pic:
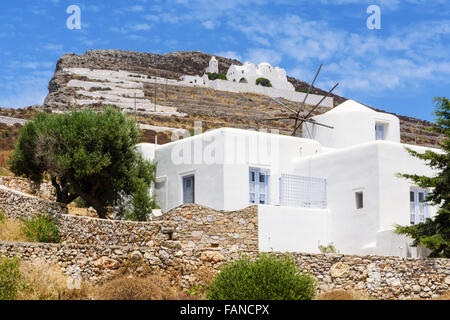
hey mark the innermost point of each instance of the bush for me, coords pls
(330, 248)
(264, 82)
(2, 217)
(41, 229)
(10, 278)
(215, 76)
(133, 288)
(266, 278)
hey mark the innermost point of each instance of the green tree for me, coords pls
(215, 76)
(86, 154)
(263, 82)
(434, 234)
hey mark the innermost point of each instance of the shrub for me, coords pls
(41, 228)
(330, 248)
(2, 217)
(263, 82)
(266, 278)
(10, 278)
(134, 288)
(215, 76)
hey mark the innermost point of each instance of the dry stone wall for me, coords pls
(202, 228)
(377, 277)
(194, 225)
(16, 204)
(44, 191)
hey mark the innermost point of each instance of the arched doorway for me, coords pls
(243, 80)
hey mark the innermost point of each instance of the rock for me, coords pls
(212, 256)
(136, 256)
(416, 289)
(339, 270)
(447, 280)
(106, 263)
(164, 255)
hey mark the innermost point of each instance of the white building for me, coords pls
(335, 186)
(248, 73)
(213, 66)
(242, 79)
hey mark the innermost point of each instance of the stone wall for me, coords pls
(95, 264)
(45, 190)
(202, 228)
(193, 225)
(16, 204)
(196, 226)
(378, 277)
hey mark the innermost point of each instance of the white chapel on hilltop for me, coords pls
(243, 79)
(248, 73)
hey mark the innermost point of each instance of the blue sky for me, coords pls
(399, 68)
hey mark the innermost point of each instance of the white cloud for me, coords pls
(136, 8)
(229, 55)
(141, 27)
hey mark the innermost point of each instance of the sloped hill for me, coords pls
(132, 80)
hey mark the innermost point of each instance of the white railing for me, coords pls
(303, 191)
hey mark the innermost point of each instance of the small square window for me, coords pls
(359, 198)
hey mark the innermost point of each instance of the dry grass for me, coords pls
(11, 230)
(445, 296)
(43, 281)
(4, 158)
(343, 295)
(135, 288)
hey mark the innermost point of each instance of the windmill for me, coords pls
(296, 113)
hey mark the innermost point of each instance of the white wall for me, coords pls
(223, 184)
(292, 229)
(350, 127)
(371, 168)
(394, 191)
(347, 171)
(231, 86)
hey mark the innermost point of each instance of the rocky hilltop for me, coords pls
(132, 81)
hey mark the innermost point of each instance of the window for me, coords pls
(258, 186)
(380, 131)
(418, 205)
(188, 189)
(359, 199)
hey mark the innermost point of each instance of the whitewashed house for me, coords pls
(335, 186)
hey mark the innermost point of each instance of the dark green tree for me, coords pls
(434, 234)
(86, 154)
(215, 76)
(263, 82)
